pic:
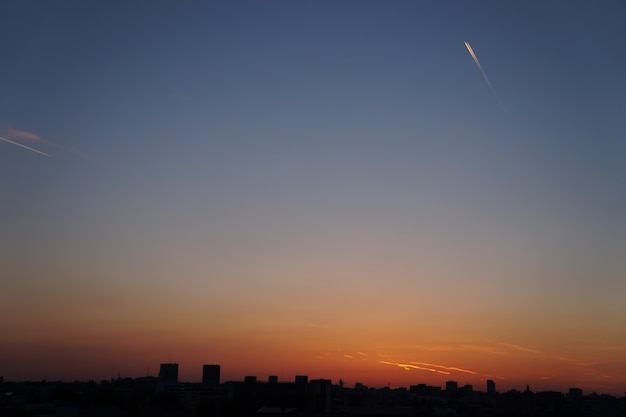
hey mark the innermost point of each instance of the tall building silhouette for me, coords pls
(451, 386)
(491, 387)
(211, 374)
(168, 373)
(573, 393)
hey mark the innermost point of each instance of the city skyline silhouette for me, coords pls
(213, 375)
(166, 395)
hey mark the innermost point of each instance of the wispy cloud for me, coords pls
(578, 361)
(449, 368)
(23, 134)
(430, 367)
(484, 348)
(434, 348)
(520, 348)
(501, 348)
(18, 136)
(410, 366)
(482, 71)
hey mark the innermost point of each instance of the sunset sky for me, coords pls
(329, 188)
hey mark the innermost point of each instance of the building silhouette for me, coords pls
(168, 373)
(576, 393)
(451, 386)
(491, 387)
(211, 374)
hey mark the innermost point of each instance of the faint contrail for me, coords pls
(24, 146)
(482, 71)
(408, 367)
(520, 348)
(24, 135)
(451, 368)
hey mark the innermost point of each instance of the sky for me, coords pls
(389, 193)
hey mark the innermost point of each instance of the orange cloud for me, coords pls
(520, 348)
(408, 367)
(450, 368)
(486, 349)
(497, 348)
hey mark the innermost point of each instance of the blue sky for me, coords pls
(214, 146)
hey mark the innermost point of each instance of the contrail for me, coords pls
(482, 71)
(24, 135)
(451, 368)
(408, 367)
(24, 146)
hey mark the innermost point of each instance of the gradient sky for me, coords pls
(328, 188)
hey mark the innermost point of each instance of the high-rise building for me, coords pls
(302, 379)
(211, 374)
(168, 373)
(273, 379)
(451, 386)
(574, 393)
(491, 387)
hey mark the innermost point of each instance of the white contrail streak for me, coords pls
(482, 71)
(24, 146)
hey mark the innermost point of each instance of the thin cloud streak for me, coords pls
(520, 348)
(408, 367)
(486, 349)
(449, 368)
(589, 363)
(24, 146)
(431, 367)
(482, 71)
(502, 348)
